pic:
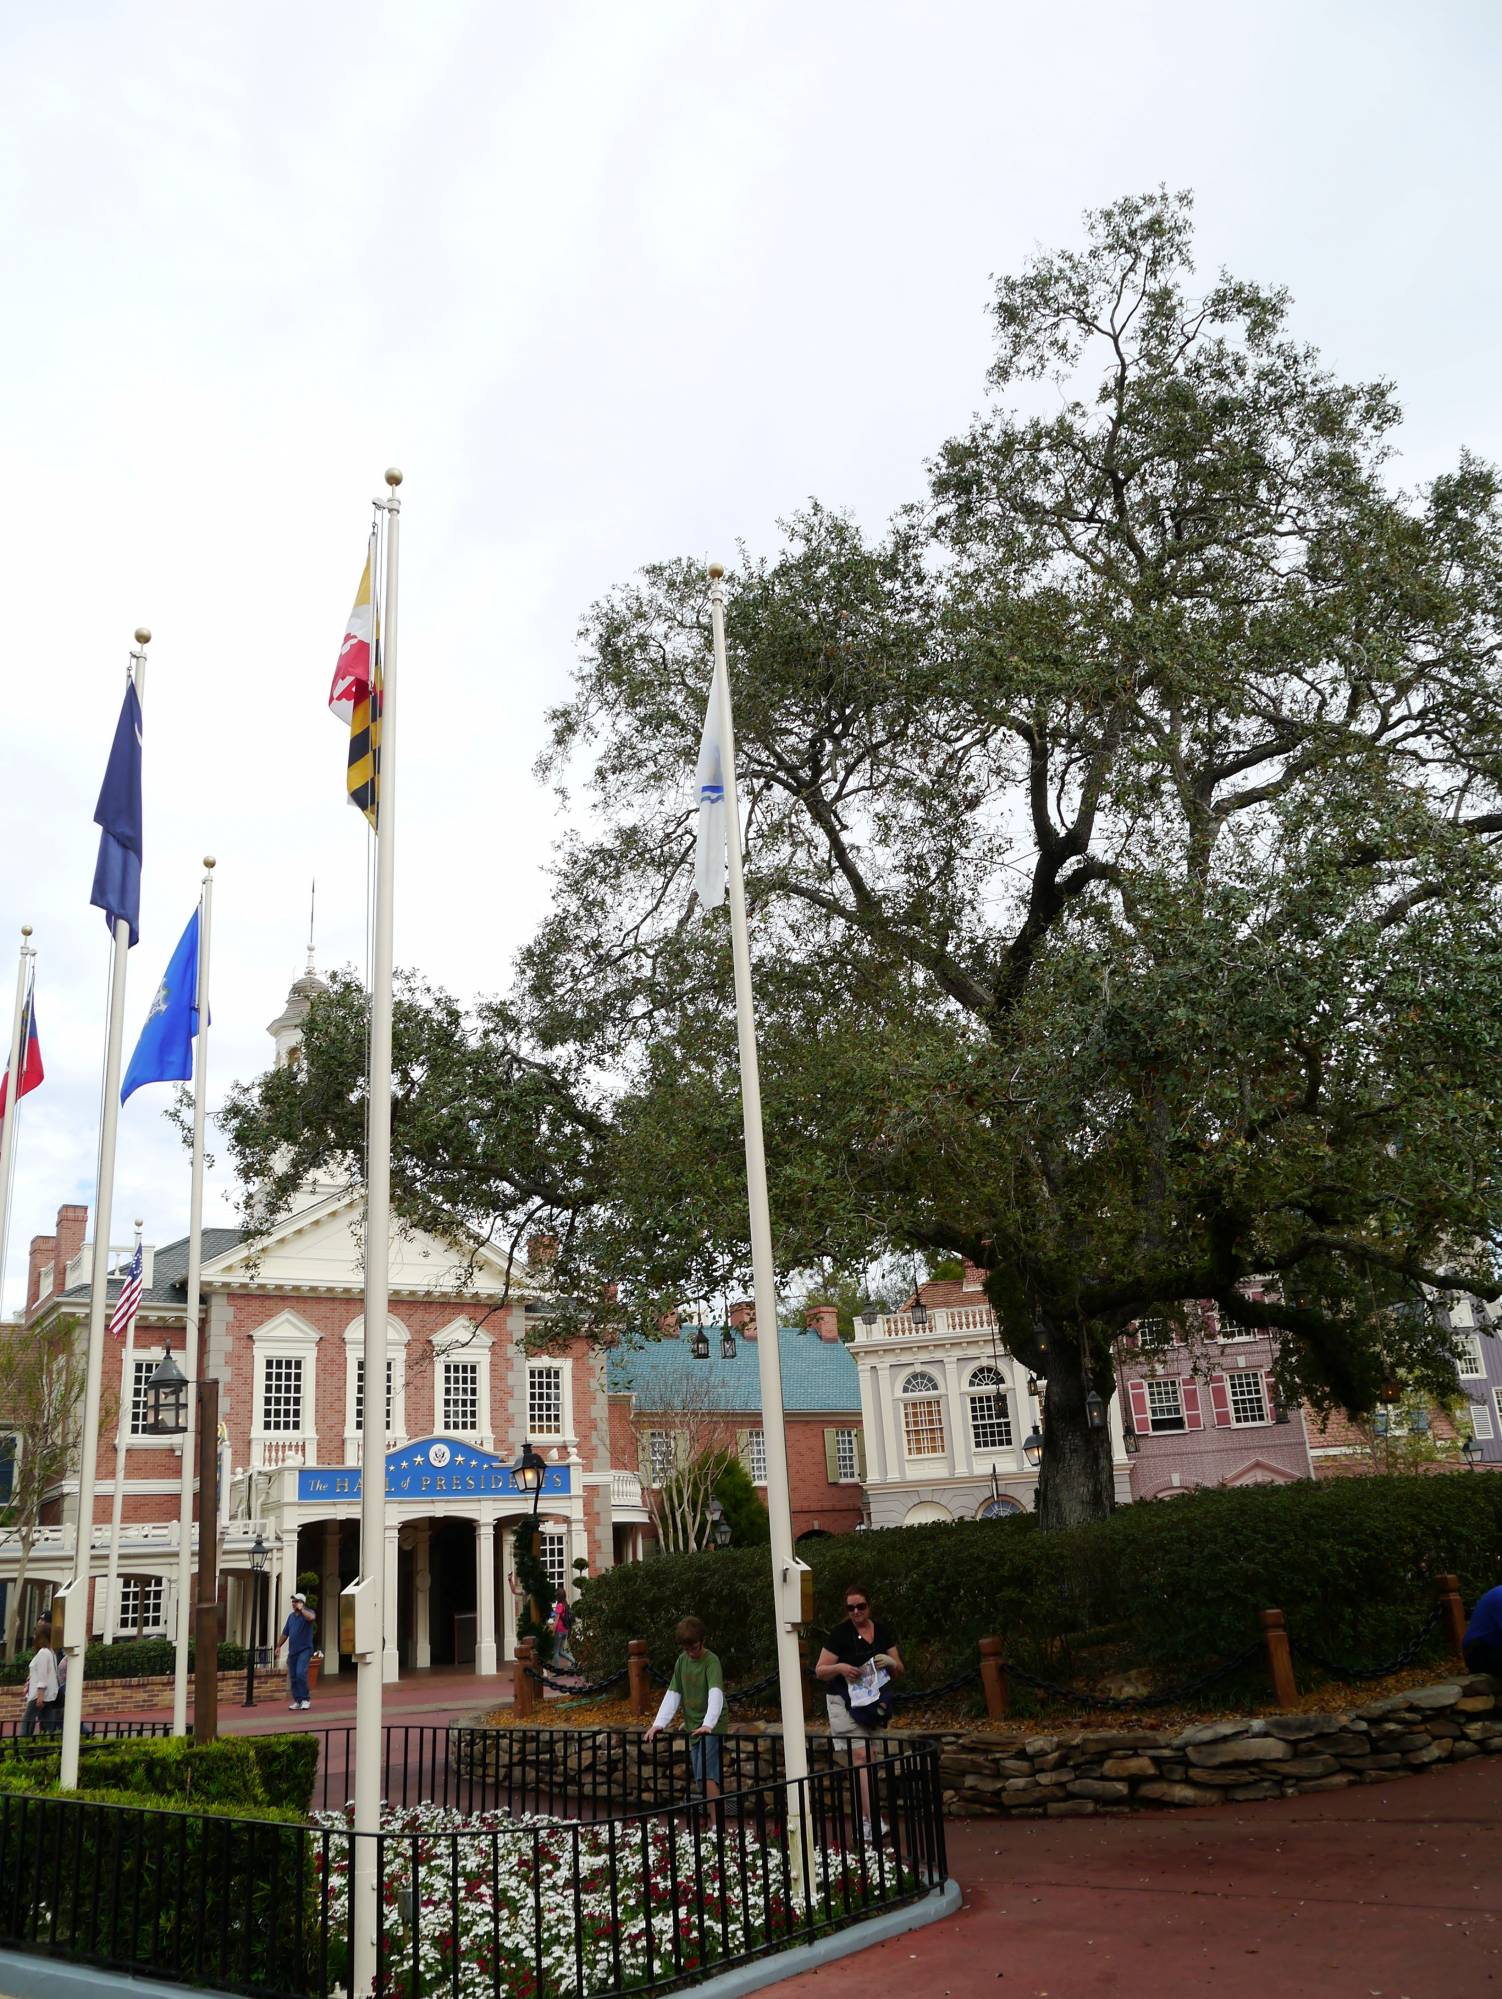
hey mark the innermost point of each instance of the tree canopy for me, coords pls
(1121, 832)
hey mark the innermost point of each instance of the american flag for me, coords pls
(130, 1297)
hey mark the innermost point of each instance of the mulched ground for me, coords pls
(1331, 1697)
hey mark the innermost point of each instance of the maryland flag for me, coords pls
(355, 697)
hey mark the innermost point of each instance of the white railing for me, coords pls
(267, 1453)
(944, 1321)
(625, 1489)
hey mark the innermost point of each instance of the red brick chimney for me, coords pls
(975, 1277)
(743, 1317)
(669, 1325)
(43, 1252)
(72, 1227)
(823, 1320)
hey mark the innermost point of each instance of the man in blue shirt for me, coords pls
(297, 1636)
(1483, 1635)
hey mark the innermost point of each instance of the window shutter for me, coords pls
(1189, 1391)
(1141, 1420)
(1270, 1397)
(831, 1458)
(1220, 1401)
(743, 1447)
(860, 1453)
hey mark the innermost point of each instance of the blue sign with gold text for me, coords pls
(431, 1468)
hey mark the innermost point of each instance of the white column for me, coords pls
(422, 1602)
(328, 1605)
(961, 1457)
(390, 1658)
(876, 1443)
(486, 1658)
(887, 1380)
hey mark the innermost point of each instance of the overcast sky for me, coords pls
(610, 282)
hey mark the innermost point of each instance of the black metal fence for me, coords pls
(502, 1867)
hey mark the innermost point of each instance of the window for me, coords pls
(756, 1456)
(1496, 1397)
(1248, 1398)
(552, 1553)
(846, 1458)
(1468, 1353)
(1481, 1422)
(360, 1393)
(999, 1508)
(1231, 1329)
(1165, 1406)
(7, 1466)
(990, 1418)
(922, 1415)
(281, 1393)
(461, 1395)
(545, 1402)
(660, 1456)
(140, 1401)
(142, 1603)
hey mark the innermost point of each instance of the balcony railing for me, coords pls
(625, 1490)
(945, 1321)
(268, 1453)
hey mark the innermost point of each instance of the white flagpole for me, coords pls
(183, 1610)
(12, 1104)
(787, 1570)
(370, 1634)
(76, 1592)
(117, 1496)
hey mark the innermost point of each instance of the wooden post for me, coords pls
(1279, 1658)
(812, 1691)
(636, 1676)
(993, 1678)
(206, 1618)
(1453, 1606)
(523, 1686)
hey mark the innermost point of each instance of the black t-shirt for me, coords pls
(847, 1645)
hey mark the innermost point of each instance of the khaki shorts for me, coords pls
(841, 1721)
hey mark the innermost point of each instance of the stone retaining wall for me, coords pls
(1066, 1775)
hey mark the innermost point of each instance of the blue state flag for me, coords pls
(164, 1053)
(117, 872)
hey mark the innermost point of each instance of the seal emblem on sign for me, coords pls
(438, 1455)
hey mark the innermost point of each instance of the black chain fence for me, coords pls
(577, 1688)
(1168, 1697)
(1342, 1670)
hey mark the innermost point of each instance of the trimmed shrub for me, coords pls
(1173, 1587)
(131, 1659)
(275, 1771)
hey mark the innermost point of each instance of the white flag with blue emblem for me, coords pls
(709, 856)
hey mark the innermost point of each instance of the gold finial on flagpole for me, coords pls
(393, 476)
(716, 571)
(143, 635)
(208, 860)
(25, 929)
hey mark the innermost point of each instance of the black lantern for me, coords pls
(1032, 1449)
(919, 1313)
(1280, 1410)
(719, 1524)
(167, 1398)
(1095, 1411)
(869, 1314)
(529, 1471)
(728, 1347)
(260, 1555)
(1470, 1450)
(1032, 1386)
(698, 1346)
(1129, 1437)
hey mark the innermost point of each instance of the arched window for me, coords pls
(923, 1415)
(1000, 1507)
(990, 1417)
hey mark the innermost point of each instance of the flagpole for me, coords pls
(117, 1496)
(183, 1614)
(12, 1104)
(76, 1592)
(371, 1608)
(787, 1570)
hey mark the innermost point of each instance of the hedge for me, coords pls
(130, 1659)
(259, 1771)
(1171, 1587)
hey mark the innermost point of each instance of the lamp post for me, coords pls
(529, 1471)
(719, 1525)
(1470, 1450)
(167, 1401)
(260, 1555)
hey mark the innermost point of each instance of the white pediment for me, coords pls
(321, 1248)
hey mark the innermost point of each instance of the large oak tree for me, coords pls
(1122, 833)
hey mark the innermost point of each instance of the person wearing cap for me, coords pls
(297, 1636)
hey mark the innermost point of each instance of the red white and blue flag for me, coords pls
(130, 1297)
(31, 1056)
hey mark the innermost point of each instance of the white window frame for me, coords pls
(661, 1457)
(1469, 1345)
(923, 1414)
(1481, 1415)
(397, 1342)
(846, 1456)
(463, 1340)
(285, 1337)
(553, 1554)
(151, 1588)
(458, 1384)
(1496, 1398)
(756, 1456)
(565, 1425)
(1165, 1422)
(987, 1385)
(133, 1397)
(1235, 1381)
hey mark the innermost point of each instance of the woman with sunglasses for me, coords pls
(859, 1657)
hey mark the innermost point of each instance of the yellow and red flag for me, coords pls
(355, 699)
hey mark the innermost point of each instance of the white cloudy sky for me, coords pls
(609, 282)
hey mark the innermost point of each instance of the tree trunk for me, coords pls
(1076, 1483)
(13, 1607)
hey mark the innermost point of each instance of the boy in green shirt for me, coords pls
(698, 1687)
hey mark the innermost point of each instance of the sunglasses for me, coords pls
(861, 1605)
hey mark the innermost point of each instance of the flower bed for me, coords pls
(545, 1910)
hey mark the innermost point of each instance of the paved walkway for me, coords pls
(1390, 1891)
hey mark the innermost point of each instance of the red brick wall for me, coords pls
(815, 1501)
